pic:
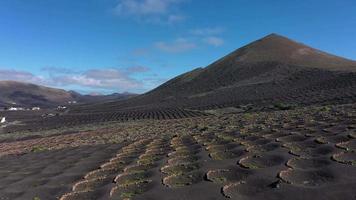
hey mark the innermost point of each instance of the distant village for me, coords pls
(21, 109)
(29, 109)
(18, 108)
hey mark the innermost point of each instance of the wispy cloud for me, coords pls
(150, 10)
(214, 41)
(207, 31)
(112, 79)
(177, 46)
(210, 35)
(144, 7)
(16, 75)
(57, 70)
(193, 39)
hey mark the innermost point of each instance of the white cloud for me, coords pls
(208, 35)
(15, 75)
(178, 46)
(154, 11)
(101, 78)
(145, 7)
(58, 70)
(214, 41)
(113, 79)
(207, 31)
(195, 38)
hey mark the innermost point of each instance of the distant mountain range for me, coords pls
(271, 70)
(18, 94)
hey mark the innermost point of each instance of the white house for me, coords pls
(3, 120)
(36, 108)
(15, 109)
(61, 108)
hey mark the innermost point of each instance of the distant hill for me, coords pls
(271, 70)
(87, 99)
(14, 93)
(18, 94)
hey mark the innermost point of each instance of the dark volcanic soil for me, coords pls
(47, 175)
(307, 153)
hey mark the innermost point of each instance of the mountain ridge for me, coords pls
(23, 94)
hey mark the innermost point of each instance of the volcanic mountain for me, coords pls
(20, 94)
(274, 69)
(27, 95)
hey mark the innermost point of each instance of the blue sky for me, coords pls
(134, 45)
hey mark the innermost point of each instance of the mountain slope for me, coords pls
(272, 69)
(104, 98)
(28, 95)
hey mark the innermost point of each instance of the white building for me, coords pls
(36, 108)
(16, 108)
(61, 108)
(3, 120)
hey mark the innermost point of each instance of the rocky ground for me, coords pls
(302, 153)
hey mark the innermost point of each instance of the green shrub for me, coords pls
(36, 149)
